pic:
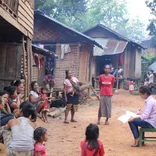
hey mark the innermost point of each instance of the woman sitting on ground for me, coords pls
(20, 89)
(35, 98)
(5, 115)
(14, 99)
(20, 140)
(148, 118)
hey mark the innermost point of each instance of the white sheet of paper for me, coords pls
(124, 118)
(127, 116)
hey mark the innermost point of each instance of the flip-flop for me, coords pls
(73, 121)
(135, 145)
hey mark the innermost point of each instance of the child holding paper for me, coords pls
(148, 118)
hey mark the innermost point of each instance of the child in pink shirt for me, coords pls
(40, 136)
(91, 146)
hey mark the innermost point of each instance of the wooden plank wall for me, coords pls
(26, 16)
(10, 58)
(84, 65)
(70, 62)
(38, 74)
(19, 14)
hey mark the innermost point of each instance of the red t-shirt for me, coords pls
(106, 84)
(86, 152)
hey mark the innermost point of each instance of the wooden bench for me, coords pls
(143, 139)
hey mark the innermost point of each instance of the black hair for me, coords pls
(106, 66)
(145, 90)
(43, 89)
(10, 90)
(32, 84)
(3, 93)
(38, 133)
(66, 72)
(92, 134)
(16, 83)
(151, 71)
(28, 110)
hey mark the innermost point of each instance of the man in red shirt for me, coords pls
(106, 83)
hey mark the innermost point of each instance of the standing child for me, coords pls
(45, 104)
(146, 83)
(40, 136)
(131, 86)
(91, 146)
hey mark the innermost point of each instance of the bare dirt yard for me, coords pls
(64, 140)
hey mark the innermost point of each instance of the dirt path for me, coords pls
(64, 139)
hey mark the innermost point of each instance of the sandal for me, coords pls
(73, 121)
(135, 145)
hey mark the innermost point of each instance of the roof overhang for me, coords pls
(43, 51)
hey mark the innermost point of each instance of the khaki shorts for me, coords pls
(72, 107)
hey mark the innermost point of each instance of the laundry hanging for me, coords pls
(41, 63)
(65, 48)
(36, 59)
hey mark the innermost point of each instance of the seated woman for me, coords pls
(5, 109)
(14, 99)
(35, 98)
(20, 89)
(148, 118)
(20, 140)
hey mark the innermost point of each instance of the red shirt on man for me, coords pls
(106, 85)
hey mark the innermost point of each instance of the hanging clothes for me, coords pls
(36, 59)
(65, 48)
(41, 62)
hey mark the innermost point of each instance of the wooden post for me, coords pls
(24, 69)
(29, 54)
(117, 84)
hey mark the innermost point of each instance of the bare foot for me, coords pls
(106, 123)
(97, 123)
(66, 122)
(136, 143)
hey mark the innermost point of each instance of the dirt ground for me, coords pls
(64, 140)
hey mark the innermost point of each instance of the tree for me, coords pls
(83, 14)
(68, 12)
(152, 25)
(133, 29)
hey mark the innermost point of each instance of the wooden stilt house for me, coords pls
(16, 32)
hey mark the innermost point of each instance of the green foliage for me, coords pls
(83, 14)
(152, 26)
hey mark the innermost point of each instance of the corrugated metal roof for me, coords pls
(113, 47)
(153, 67)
